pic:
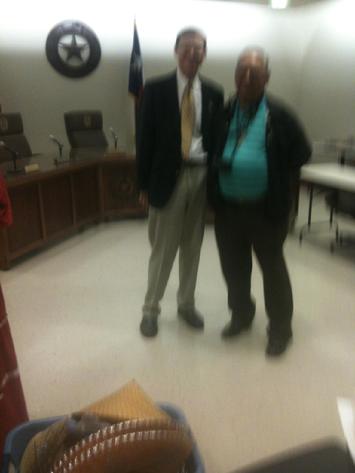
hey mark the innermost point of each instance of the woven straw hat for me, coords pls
(123, 432)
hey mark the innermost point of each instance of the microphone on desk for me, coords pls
(9, 149)
(58, 143)
(342, 157)
(115, 136)
(14, 154)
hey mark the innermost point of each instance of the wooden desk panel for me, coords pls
(59, 199)
(57, 204)
(120, 196)
(86, 194)
(26, 229)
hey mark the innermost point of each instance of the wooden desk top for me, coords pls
(50, 165)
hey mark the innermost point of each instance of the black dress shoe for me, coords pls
(235, 327)
(192, 317)
(149, 326)
(277, 345)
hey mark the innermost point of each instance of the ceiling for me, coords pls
(292, 3)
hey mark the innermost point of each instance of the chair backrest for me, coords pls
(84, 129)
(342, 202)
(17, 440)
(11, 133)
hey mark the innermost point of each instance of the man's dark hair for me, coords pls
(188, 31)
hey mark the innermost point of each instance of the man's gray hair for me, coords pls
(259, 51)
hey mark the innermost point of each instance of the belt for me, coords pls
(247, 203)
(191, 163)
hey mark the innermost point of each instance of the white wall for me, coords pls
(327, 87)
(293, 38)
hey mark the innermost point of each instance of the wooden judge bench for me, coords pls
(61, 198)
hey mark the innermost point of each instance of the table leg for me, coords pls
(310, 204)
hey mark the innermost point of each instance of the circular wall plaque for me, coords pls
(73, 49)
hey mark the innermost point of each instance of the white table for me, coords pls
(331, 176)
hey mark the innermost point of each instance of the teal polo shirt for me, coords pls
(247, 177)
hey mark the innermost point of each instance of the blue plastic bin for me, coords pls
(194, 463)
(18, 438)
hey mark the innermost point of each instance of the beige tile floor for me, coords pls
(74, 310)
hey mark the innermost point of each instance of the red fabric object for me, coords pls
(12, 402)
(5, 205)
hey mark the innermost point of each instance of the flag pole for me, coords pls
(135, 79)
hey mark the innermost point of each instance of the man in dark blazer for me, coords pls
(176, 140)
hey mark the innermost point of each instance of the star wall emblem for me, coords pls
(73, 49)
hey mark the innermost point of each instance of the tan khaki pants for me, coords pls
(178, 225)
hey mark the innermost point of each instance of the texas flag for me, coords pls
(135, 80)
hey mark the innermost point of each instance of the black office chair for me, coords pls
(328, 456)
(12, 135)
(342, 203)
(84, 129)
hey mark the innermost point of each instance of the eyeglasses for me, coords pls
(185, 47)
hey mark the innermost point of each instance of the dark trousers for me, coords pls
(241, 228)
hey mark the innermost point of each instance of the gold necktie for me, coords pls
(187, 120)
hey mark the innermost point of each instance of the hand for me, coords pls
(143, 200)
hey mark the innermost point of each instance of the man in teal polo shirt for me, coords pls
(262, 149)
